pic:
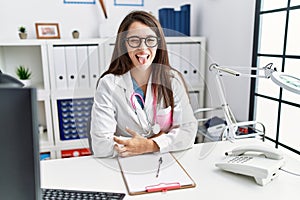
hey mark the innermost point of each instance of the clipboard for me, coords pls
(140, 174)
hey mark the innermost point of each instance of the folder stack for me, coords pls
(76, 66)
(175, 23)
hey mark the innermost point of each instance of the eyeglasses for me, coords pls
(135, 41)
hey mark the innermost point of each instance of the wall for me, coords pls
(227, 25)
(87, 18)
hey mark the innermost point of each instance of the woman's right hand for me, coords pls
(136, 145)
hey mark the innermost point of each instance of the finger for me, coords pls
(124, 154)
(127, 154)
(131, 132)
(119, 141)
(120, 149)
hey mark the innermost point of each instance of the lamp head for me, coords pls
(9, 81)
(286, 81)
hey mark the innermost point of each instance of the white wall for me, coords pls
(227, 25)
(87, 18)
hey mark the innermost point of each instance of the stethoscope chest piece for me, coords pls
(155, 129)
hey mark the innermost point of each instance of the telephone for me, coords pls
(260, 161)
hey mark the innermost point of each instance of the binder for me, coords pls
(177, 23)
(166, 19)
(83, 67)
(94, 67)
(139, 174)
(174, 55)
(185, 19)
(60, 68)
(194, 74)
(185, 65)
(71, 63)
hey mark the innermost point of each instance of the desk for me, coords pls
(88, 173)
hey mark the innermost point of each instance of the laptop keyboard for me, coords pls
(58, 194)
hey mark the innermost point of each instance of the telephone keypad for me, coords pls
(240, 159)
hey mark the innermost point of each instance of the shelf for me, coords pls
(27, 42)
(44, 140)
(43, 95)
(69, 144)
(70, 94)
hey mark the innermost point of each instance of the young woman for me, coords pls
(140, 97)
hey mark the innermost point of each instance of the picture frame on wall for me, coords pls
(129, 2)
(47, 30)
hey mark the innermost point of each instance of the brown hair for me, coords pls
(121, 63)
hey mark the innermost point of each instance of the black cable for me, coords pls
(289, 172)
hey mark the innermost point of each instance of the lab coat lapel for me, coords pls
(124, 81)
(149, 99)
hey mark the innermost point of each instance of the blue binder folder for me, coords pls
(175, 23)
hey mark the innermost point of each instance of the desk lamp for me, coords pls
(9, 81)
(285, 81)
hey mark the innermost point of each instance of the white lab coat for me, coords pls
(112, 112)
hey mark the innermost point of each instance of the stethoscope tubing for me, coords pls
(149, 125)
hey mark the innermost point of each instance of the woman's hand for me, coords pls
(134, 146)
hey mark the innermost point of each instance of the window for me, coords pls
(276, 40)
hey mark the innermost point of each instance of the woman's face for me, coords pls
(141, 51)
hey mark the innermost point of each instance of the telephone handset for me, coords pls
(259, 161)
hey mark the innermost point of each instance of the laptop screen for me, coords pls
(19, 144)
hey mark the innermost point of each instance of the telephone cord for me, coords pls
(296, 174)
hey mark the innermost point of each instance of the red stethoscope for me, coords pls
(151, 129)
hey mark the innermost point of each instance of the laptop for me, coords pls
(19, 149)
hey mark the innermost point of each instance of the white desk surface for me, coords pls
(95, 174)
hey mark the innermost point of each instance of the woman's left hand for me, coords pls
(134, 146)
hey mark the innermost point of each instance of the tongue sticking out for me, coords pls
(142, 59)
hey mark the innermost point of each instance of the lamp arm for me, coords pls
(224, 70)
(228, 114)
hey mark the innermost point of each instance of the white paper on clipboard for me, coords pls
(139, 173)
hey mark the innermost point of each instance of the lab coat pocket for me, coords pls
(164, 118)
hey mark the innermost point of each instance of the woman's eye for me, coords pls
(135, 41)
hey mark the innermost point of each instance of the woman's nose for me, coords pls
(143, 44)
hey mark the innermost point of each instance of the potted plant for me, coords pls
(24, 75)
(75, 34)
(22, 32)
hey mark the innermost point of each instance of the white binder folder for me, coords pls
(194, 74)
(186, 67)
(83, 67)
(170, 53)
(93, 65)
(174, 55)
(71, 63)
(108, 56)
(60, 67)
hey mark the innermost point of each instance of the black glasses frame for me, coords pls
(145, 41)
